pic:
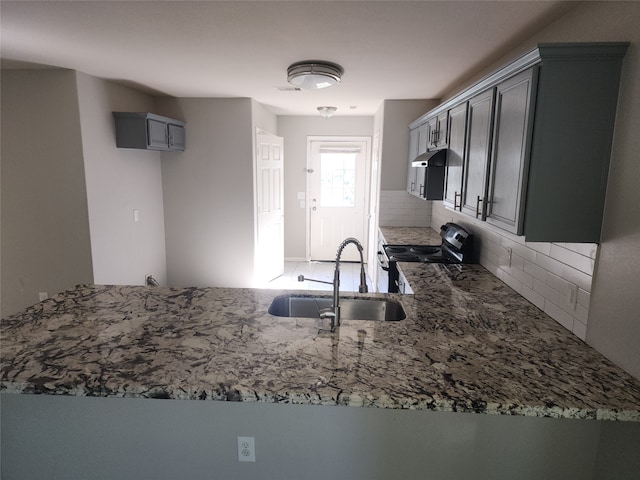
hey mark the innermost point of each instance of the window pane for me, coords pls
(337, 179)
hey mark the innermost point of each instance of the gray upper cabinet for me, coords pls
(455, 156)
(437, 131)
(417, 145)
(575, 113)
(476, 171)
(504, 205)
(148, 131)
(548, 142)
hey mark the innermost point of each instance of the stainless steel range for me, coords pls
(456, 247)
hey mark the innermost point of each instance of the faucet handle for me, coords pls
(327, 313)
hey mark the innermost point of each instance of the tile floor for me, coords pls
(349, 276)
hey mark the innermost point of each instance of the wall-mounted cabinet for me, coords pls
(148, 131)
(437, 131)
(417, 145)
(455, 155)
(478, 151)
(529, 145)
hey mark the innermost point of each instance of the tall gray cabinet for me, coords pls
(529, 145)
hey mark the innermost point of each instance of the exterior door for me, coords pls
(269, 261)
(337, 183)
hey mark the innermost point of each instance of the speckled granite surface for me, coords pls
(469, 344)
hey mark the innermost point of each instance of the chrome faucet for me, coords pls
(334, 312)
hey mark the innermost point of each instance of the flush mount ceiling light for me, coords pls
(312, 74)
(326, 112)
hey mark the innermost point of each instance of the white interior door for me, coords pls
(269, 262)
(337, 185)
(374, 197)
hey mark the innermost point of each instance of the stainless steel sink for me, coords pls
(350, 308)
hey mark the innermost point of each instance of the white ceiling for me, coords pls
(388, 49)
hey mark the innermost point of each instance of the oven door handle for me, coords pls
(382, 262)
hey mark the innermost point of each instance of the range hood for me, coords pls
(436, 158)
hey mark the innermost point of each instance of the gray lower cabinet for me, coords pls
(455, 156)
(509, 158)
(476, 169)
(148, 131)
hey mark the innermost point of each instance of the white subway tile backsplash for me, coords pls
(547, 292)
(580, 330)
(543, 273)
(535, 271)
(584, 298)
(569, 257)
(559, 315)
(532, 296)
(399, 209)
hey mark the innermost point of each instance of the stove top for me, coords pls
(456, 247)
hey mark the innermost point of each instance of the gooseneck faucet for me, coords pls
(334, 312)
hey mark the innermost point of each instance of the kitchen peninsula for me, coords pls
(468, 344)
(79, 370)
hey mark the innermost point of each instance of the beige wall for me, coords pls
(613, 323)
(45, 227)
(398, 114)
(294, 130)
(118, 181)
(208, 194)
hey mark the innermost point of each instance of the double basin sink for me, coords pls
(350, 308)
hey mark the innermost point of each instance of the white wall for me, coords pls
(124, 438)
(119, 181)
(208, 194)
(613, 323)
(45, 228)
(294, 130)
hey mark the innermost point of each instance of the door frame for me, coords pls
(367, 184)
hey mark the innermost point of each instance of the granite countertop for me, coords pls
(468, 344)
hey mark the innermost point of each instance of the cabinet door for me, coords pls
(176, 137)
(438, 127)
(417, 146)
(157, 134)
(509, 158)
(455, 156)
(412, 186)
(476, 171)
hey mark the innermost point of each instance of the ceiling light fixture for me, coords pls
(313, 74)
(326, 112)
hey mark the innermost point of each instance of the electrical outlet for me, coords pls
(246, 449)
(572, 296)
(508, 259)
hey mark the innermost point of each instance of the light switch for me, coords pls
(136, 216)
(301, 195)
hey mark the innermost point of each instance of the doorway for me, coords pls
(338, 189)
(269, 168)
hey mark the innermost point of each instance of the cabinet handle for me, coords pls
(455, 201)
(478, 201)
(421, 190)
(413, 186)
